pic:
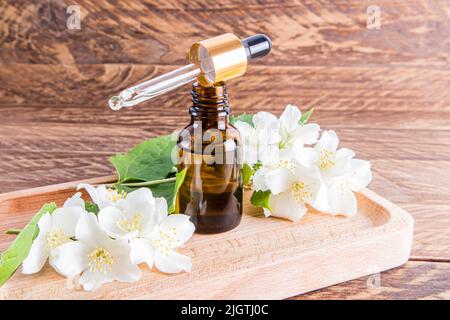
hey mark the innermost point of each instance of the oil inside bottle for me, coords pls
(209, 147)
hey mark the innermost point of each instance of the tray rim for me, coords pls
(398, 222)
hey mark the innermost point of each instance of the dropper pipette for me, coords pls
(217, 59)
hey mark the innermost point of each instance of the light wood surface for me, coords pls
(261, 253)
(385, 92)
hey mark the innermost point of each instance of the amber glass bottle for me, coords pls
(209, 147)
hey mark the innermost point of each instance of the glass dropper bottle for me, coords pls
(209, 148)
(213, 60)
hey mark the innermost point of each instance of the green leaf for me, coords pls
(149, 160)
(12, 258)
(120, 187)
(242, 117)
(305, 116)
(180, 178)
(164, 190)
(261, 199)
(91, 207)
(167, 190)
(247, 173)
(257, 166)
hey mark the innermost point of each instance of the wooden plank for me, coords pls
(373, 142)
(432, 231)
(412, 172)
(414, 280)
(383, 89)
(319, 251)
(154, 117)
(152, 32)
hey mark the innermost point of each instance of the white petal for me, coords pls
(360, 174)
(279, 180)
(308, 157)
(292, 151)
(92, 191)
(66, 219)
(320, 199)
(311, 178)
(173, 262)
(71, 258)
(285, 206)
(289, 119)
(141, 251)
(267, 212)
(158, 214)
(125, 271)
(245, 129)
(342, 166)
(75, 201)
(141, 195)
(306, 174)
(93, 280)
(259, 180)
(109, 219)
(161, 208)
(264, 119)
(269, 155)
(249, 140)
(88, 230)
(309, 133)
(178, 226)
(36, 257)
(45, 225)
(329, 141)
(341, 202)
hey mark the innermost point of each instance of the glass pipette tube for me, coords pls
(255, 46)
(155, 87)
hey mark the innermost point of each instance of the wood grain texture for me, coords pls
(384, 89)
(414, 280)
(153, 32)
(385, 92)
(318, 251)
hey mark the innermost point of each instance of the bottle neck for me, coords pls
(210, 105)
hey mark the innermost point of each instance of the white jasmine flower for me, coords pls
(98, 258)
(341, 198)
(153, 235)
(54, 230)
(159, 247)
(325, 155)
(292, 190)
(271, 140)
(135, 215)
(261, 141)
(262, 177)
(103, 196)
(292, 132)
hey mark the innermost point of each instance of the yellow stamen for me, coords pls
(100, 260)
(131, 225)
(166, 241)
(302, 192)
(327, 159)
(56, 237)
(285, 164)
(114, 195)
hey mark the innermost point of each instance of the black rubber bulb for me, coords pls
(257, 46)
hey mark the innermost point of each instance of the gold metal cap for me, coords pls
(220, 58)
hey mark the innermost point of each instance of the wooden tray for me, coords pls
(263, 258)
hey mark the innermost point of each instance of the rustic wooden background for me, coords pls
(386, 92)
